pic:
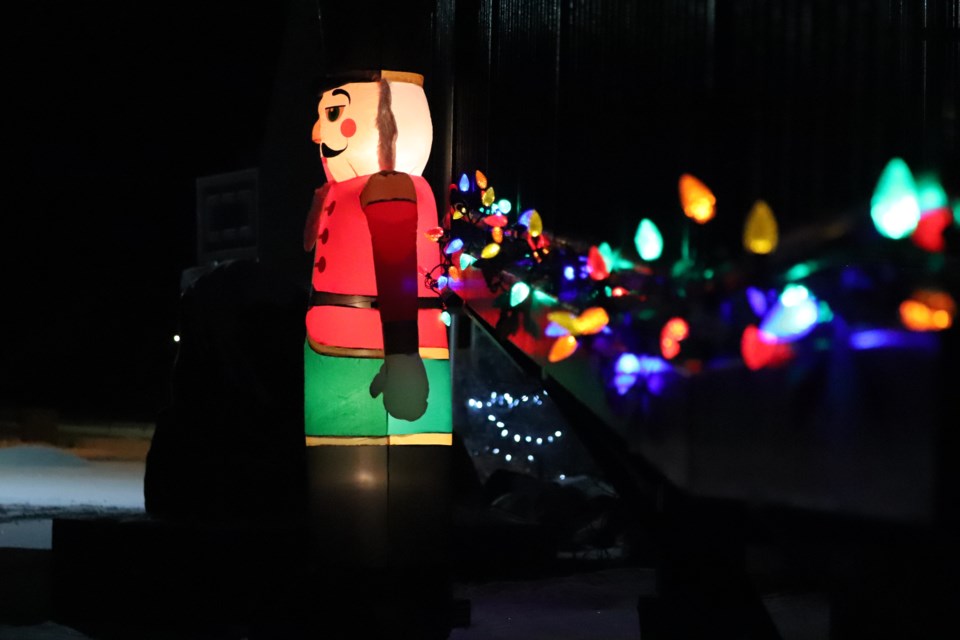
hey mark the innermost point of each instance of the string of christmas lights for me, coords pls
(520, 439)
(643, 320)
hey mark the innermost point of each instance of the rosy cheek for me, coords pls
(348, 127)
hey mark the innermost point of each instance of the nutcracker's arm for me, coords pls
(389, 201)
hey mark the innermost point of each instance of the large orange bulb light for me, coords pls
(928, 310)
(591, 321)
(673, 332)
(676, 328)
(697, 200)
(562, 349)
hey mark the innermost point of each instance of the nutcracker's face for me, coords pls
(346, 129)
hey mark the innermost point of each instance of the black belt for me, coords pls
(327, 299)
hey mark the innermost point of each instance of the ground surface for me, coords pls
(96, 477)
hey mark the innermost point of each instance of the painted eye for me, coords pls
(333, 113)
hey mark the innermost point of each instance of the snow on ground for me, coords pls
(38, 480)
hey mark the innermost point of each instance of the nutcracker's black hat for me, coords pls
(358, 38)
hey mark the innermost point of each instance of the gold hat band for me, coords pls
(402, 76)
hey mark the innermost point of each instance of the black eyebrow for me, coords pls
(341, 92)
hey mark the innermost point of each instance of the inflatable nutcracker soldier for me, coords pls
(377, 377)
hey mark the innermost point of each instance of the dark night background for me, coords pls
(588, 110)
(119, 108)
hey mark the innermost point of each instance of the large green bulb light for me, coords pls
(930, 193)
(648, 240)
(518, 293)
(894, 207)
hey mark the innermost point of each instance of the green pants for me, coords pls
(337, 398)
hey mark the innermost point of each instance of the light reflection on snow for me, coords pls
(38, 477)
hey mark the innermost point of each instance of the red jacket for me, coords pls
(345, 262)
